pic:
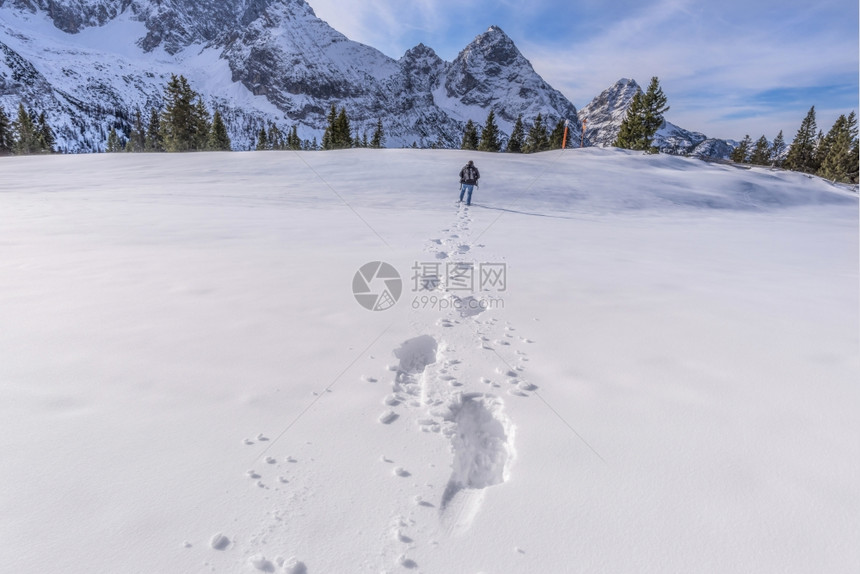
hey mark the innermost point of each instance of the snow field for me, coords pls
(187, 383)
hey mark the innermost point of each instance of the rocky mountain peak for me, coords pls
(492, 47)
(420, 52)
(604, 114)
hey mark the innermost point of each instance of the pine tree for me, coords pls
(113, 142)
(741, 153)
(5, 133)
(26, 137)
(761, 152)
(378, 139)
(537, 139)
(777, 149)
(178, 128)
(470, 136)
(45, 134)
(821, 148)
(184, 123)
(490, 134)
(275, 137)
(801, 154)
(262, 140)
(838, 163)
(631, 135)
(153, 141)
(219, 140)
(202, 125)
(328, 135)
(137, 136)
(341, 131)
(515, 143)
(644, 117)
(293, 141)
(655, 106)
(338, 134)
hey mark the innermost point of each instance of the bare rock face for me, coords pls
(73, 15)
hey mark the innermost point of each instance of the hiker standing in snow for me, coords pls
(469, 177)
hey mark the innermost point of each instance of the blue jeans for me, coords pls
(465, 187)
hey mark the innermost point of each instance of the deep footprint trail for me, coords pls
(453, 443)
(451, 380)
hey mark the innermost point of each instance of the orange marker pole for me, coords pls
(564, 139)
(582, 142)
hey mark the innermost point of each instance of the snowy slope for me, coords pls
(664, 382)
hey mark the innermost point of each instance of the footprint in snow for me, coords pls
(219, 542)
(401, 472)
(388, 417)
(293, 566)
(482, 441)
(260, 563)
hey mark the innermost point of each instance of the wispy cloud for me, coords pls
(717, 60)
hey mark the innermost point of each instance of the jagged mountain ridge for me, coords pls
(92, 63)
(258, 61)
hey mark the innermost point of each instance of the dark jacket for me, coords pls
(469, 175)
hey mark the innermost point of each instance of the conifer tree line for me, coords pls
(28, 133)
(338, 134)
(834, 156)
(537, 139)
(184, 124)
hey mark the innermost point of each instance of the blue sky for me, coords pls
(728, 67)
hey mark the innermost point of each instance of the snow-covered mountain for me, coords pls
(90, 64)
(93, 64)
(604, 114)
